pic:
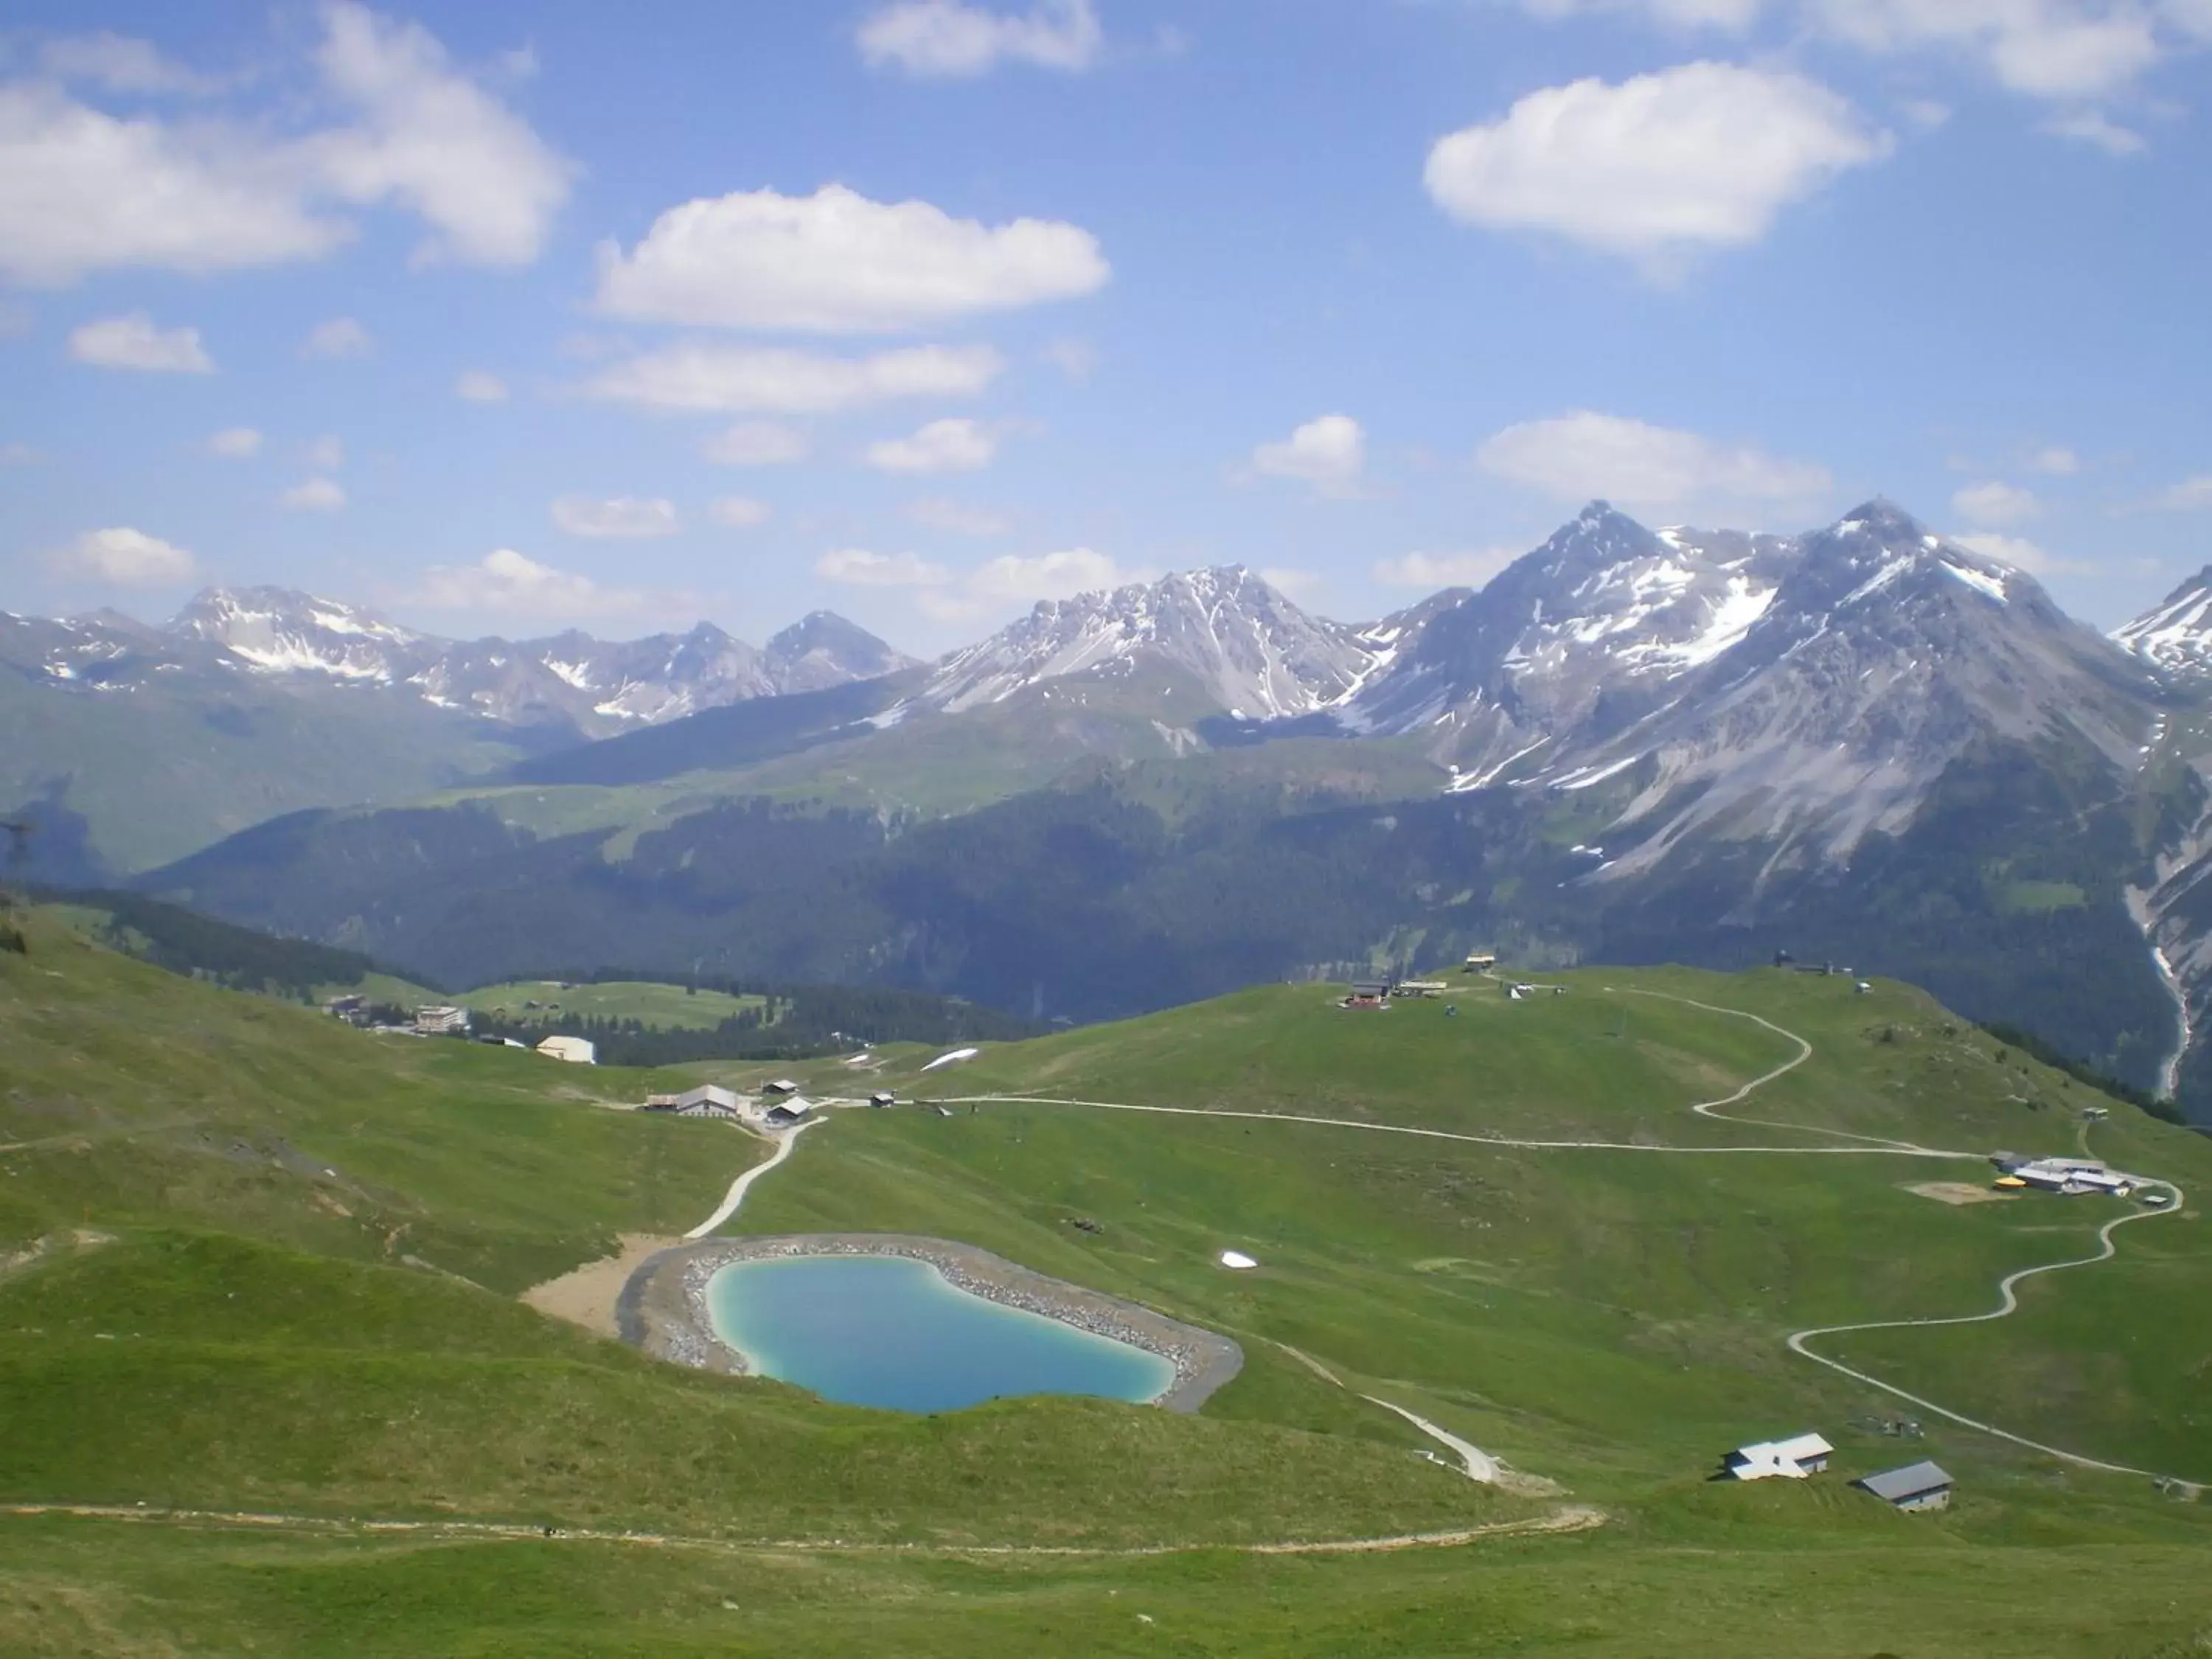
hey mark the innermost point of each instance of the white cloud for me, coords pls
(118, 63)
(1583, 454)
(325, 454)
(434, 142)
(1734, 16)
(315, 496)
(512, 584)
(474, 386)
(2056, 461)
(1467, 568)
(957, 517)
(933, 39)
(625, 518)
(2045, 48)
(1045, 575)
(1329, 452)
(1703, 155)
(737, 512)
(756, 443)
(235, 443)
(946, 445)
(1995, 502)
(708, 377)
(855, 566)
(2098, 131)
(340, 337)
(2189, 495)
(837, 262)
(124, 558)
(2024, 555)
(133, 341)
(81, 190)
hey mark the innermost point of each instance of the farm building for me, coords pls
(1419, 987)
(1791, 1460)
(782, 1085)
(1369, 993)
(1481, 961)
(782, 1117)
(437, 1021)
(577, 1051)
(1921, 1486)
(882, 1098)
(706, 1100)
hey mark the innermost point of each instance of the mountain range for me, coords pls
(1866, 742)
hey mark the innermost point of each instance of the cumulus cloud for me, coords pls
(957, 517)
(837, 262)
(2023, 554)
(340, 337)
(122, 557)
(737, 512)
(235, 443)
(1076, 359)
(1995, 502)
(2057, 461)
(2189, 495)
(1059, 575)
(945, 446)
(133, 341)
(434, 141)
(2045, 48)
(1329, 453)
(756, 443)
(623, 518)
(2098, 132)
(506, 583)
(1581, 454)
(82, 190)
(941, 39)
(706, 378)
(856, 567)
(1465, 568)
(325, 452)
(476, 386)
(1702, 156)
(315, 496)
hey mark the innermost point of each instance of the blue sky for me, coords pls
(506, 318)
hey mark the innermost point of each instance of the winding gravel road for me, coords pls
(1861, 1145)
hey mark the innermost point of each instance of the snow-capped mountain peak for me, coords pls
(1256, 654)
(2176, 634)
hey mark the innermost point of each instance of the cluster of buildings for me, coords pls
(442, 1019)
(2073, 1176)
(1921, 1486)
(778, 1105)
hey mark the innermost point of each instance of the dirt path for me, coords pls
(744, 1183)
(1479, 1464)
(1862, 1145)
(2007, 1305)
(1569, 1517)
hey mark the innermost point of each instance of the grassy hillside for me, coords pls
(256, 1261)
(659, 1007)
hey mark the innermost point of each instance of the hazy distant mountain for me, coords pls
(140, 742)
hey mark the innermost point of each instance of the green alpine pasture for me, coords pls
(658, 1007)
(253, 1260)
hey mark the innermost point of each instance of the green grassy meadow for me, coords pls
(252, 1259)
(659, 1007)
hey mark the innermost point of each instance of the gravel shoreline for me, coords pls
(663, 1308)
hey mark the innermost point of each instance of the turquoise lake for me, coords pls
(873, 1330)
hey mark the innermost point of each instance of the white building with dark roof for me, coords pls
(1921, 1486)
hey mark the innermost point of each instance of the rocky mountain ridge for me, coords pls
(596, 687)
